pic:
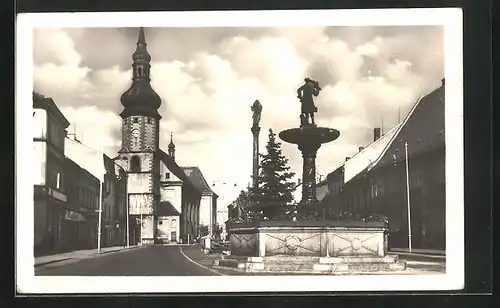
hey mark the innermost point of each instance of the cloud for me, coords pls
(96, 128)
(209, 77)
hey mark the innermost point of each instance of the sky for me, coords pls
(208, 78)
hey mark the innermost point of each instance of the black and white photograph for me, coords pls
(239, 151)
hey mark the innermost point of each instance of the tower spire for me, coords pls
(142, 38)
(171, 146)
(140, 98)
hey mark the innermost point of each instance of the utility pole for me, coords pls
(408, 196)
(128, 220)
(99, 218)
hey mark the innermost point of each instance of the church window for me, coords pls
(139, 71)
(149, 120)
(136, 120)
(135, 164)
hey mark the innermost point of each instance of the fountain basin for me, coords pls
(310, 247)
(309, 238)
(308, 134)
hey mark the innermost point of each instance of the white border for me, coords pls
(450, 18)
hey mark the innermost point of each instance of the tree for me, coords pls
(274, 188)
(203, 230)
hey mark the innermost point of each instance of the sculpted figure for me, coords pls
(305, 93)
(257, 110)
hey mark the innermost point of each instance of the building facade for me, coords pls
(111, 190)
(374, 180)
(153, 176)
(208, 202)
(50, 197)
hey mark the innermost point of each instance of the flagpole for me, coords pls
(408, 196)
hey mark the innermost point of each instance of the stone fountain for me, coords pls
(310, 246)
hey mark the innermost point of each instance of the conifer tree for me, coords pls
(274, 190)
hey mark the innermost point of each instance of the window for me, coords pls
(160, 222)
(135, 164)
(167, 175)
(139, 71)
(149, 120)
(374, 191)
(136, 120)
(58, 180)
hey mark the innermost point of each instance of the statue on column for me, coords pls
(305, 93)
(257, 111)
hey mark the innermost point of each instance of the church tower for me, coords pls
(140, 145)
(171, 147)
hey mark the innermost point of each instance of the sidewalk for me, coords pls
(419, 251)
(78, 254)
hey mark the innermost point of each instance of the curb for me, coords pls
(90, 256)
(50, 262)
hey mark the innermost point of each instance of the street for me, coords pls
(184, 260)
(144, 261)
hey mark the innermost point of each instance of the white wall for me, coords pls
(39, 123)
(205, 210)
(39, 162)
(166, 225)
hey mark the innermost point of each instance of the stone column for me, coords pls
(255, 173)
(309, 151)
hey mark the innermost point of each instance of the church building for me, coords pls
(161, 196)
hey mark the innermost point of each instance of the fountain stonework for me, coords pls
(310, 246)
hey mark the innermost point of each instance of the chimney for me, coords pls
(442, 82)
(347, 158)
(376, 133)
(361, 148)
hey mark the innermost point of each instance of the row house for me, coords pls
(373, 181)
(111, 193)
(80, 220)
(50, 199)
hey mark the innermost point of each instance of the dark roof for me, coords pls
(166, 208)
(109, 165)
(48, 104)
(175, 169)
(196, 177)
(424, 129)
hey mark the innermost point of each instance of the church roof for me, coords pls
(178, 171)
(196, 177)
(166, 208)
